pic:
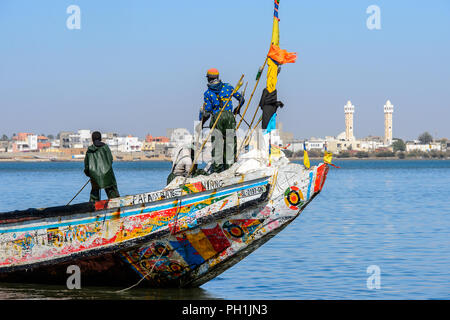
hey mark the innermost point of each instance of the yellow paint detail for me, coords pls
(272, 75)
(201, 243)
(276, 32)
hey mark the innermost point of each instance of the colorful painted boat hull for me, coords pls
(170, 238)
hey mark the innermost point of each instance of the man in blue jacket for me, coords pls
(215, 99)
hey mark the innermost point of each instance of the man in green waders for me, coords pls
(98, 166)
(214, 99)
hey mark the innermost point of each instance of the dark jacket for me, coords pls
(98, 165)
(269, 104)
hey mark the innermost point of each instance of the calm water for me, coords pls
(392, 214)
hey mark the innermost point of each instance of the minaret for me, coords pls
(349, 109)
(388, 110)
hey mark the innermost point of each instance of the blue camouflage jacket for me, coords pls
(222, 91)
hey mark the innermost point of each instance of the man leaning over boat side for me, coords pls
(214, 100)
(98, 166)
(182, 160)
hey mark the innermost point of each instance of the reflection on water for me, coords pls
(392, 214)
(31, 291)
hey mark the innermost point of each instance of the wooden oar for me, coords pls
(79, 192)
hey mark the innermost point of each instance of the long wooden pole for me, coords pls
(78, 192)
(247, 137)
(251, 97)
(214, 125)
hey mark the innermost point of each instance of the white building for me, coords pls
(315, 143)
(28, 143)
(113, 144)
(124, 144)
(417, 146)
(81, 139)
(180, 136)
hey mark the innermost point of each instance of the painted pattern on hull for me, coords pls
(22, 244)
(199, 250)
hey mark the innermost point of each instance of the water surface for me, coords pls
(392, 214)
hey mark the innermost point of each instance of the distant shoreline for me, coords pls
(373, 158)
(61, 157)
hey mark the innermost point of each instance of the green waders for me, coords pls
(228, 147)
(111, 192)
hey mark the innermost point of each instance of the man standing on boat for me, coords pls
(214, 100)
(98, 166)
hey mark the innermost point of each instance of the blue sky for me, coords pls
(138, 67)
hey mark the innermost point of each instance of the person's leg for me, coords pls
(95, 194)
(216, 145)
(112, 192)
(228, 128)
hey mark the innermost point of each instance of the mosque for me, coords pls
(346, 140)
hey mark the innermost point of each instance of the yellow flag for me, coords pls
(306, 159)
(327, 157)
(272, 73)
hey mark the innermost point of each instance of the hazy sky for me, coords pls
(139, 67)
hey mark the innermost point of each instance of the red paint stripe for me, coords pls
(101, 205)
(321, 176)
(217, 238)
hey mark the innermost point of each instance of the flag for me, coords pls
(305, 157)
(281, 56)
(327, 157)
(276, 56)
(276, 151)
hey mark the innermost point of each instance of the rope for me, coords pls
(172, 232)
(247, 138)
(251, 97)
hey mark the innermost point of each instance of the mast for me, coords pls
(276, 56)
(272, 72)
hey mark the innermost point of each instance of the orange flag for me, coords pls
(281, 56)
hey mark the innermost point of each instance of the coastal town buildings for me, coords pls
(124, 144)
(346, 141)
(157, 147)
(417, 146)
(43, 143)
(25, 142)
(4, 145)
(70, 140)
(74, 144)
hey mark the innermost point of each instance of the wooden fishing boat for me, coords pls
(179, 236)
